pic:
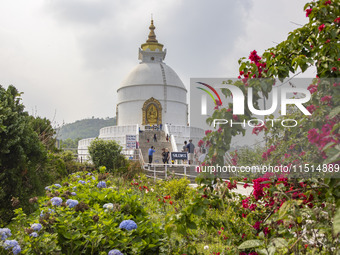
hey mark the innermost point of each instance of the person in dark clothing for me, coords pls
(167, 137)
(151, 152)
(165, 156)
(155, 138)
(191, 150)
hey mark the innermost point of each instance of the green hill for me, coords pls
(85, 128)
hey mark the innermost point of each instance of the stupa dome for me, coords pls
(152, 93)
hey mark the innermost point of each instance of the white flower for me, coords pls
(206, 247)
(152, 190)
(146, 191)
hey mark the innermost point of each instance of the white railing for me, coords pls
(172, 138)
(153, 172)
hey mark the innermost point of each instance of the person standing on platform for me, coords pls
(185, 149)
(155, 138)
(191, 149)
(151, 152)
(165, 156)
(167, 137)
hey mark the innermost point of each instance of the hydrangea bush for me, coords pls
(95, 220)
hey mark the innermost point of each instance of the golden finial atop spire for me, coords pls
(152, 35)
(152, 42)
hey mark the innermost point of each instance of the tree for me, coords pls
(45, 131)
(106, 153)
(22, 155)
(315, 141)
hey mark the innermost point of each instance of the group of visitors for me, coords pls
(165, 155)
(187, 147)
(190, 148)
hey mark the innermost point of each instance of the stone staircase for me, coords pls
(144, 145)
(157, 163)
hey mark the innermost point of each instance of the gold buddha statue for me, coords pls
(152, 115)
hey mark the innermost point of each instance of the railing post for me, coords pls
(185, 170)
(166, 171)
(154, 173)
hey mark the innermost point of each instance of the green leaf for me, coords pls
(336, 222)
(284, 209)
(250, 244)
(279, 242)
(198, 211)
(191, 225)
(334, 112)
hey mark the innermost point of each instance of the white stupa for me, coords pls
(152, 94)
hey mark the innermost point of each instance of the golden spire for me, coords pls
(152, 35)
(151, 42)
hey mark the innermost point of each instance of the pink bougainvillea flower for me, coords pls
(321, 27)
(308, 11)
(266, 231)
(337, 20)
(252, 207)
(311, 108)
(327, 41)
(313, 135)
(326, 98)
(207, 132)
(254, 57)
(328, 2)
(312, 88)
(302, 154)
(334, 69)
(257, 225)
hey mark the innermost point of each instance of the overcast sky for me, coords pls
(70, 56)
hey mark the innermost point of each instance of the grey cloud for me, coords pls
(80, 11)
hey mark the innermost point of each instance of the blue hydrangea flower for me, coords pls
(82, 182)
(89, 174)
(57, 185)
(34, 234)
(78, 176)
(73, 193)
(36, 227)
(75, 188)
(115, 252)
(50, 211)
(48, 188)
(93, 178)
(5, 233)
(56, 201)
(128, 225)
(8, 244)
(16, 249)
(101, 184)
(72, 203)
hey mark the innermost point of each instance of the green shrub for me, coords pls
(177, 188)
(107, 153)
